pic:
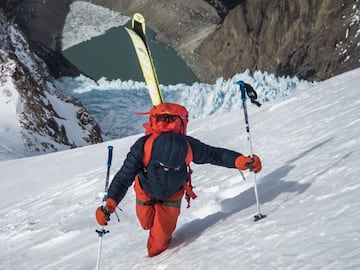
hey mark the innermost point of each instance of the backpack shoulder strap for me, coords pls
(189, 155)
(148, 148)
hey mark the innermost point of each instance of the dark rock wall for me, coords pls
(296, 38)
(42, 124)
(310, 39)
(42, 22)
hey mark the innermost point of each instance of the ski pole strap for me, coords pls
(247, 90)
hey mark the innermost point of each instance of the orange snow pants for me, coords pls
(158, 217)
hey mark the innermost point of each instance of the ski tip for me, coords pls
(138, 18)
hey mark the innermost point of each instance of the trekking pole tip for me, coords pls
(259, 216)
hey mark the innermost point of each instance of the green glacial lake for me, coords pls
(112, 56)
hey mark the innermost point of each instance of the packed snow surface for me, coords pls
(309, 188)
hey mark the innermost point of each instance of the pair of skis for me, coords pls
(137, 35)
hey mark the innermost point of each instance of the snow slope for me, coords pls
(10, 130)
(309, 188)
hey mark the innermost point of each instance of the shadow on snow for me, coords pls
(271, 186)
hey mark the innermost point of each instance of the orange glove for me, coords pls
(103, 213)
(244, 163)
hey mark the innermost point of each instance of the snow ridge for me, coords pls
(114, 103)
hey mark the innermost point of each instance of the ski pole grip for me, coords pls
(110, 151)
(242, 89)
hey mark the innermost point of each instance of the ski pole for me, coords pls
(102, 230)
(247, 90)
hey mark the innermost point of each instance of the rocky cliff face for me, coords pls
(224, 6)
(183, 25)
(219, 38)
(309, 39)
(313, 40)
(42, 22)
(49, 119)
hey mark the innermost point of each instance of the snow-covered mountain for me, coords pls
(39, 116)
(309, 187)
(35, 115)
